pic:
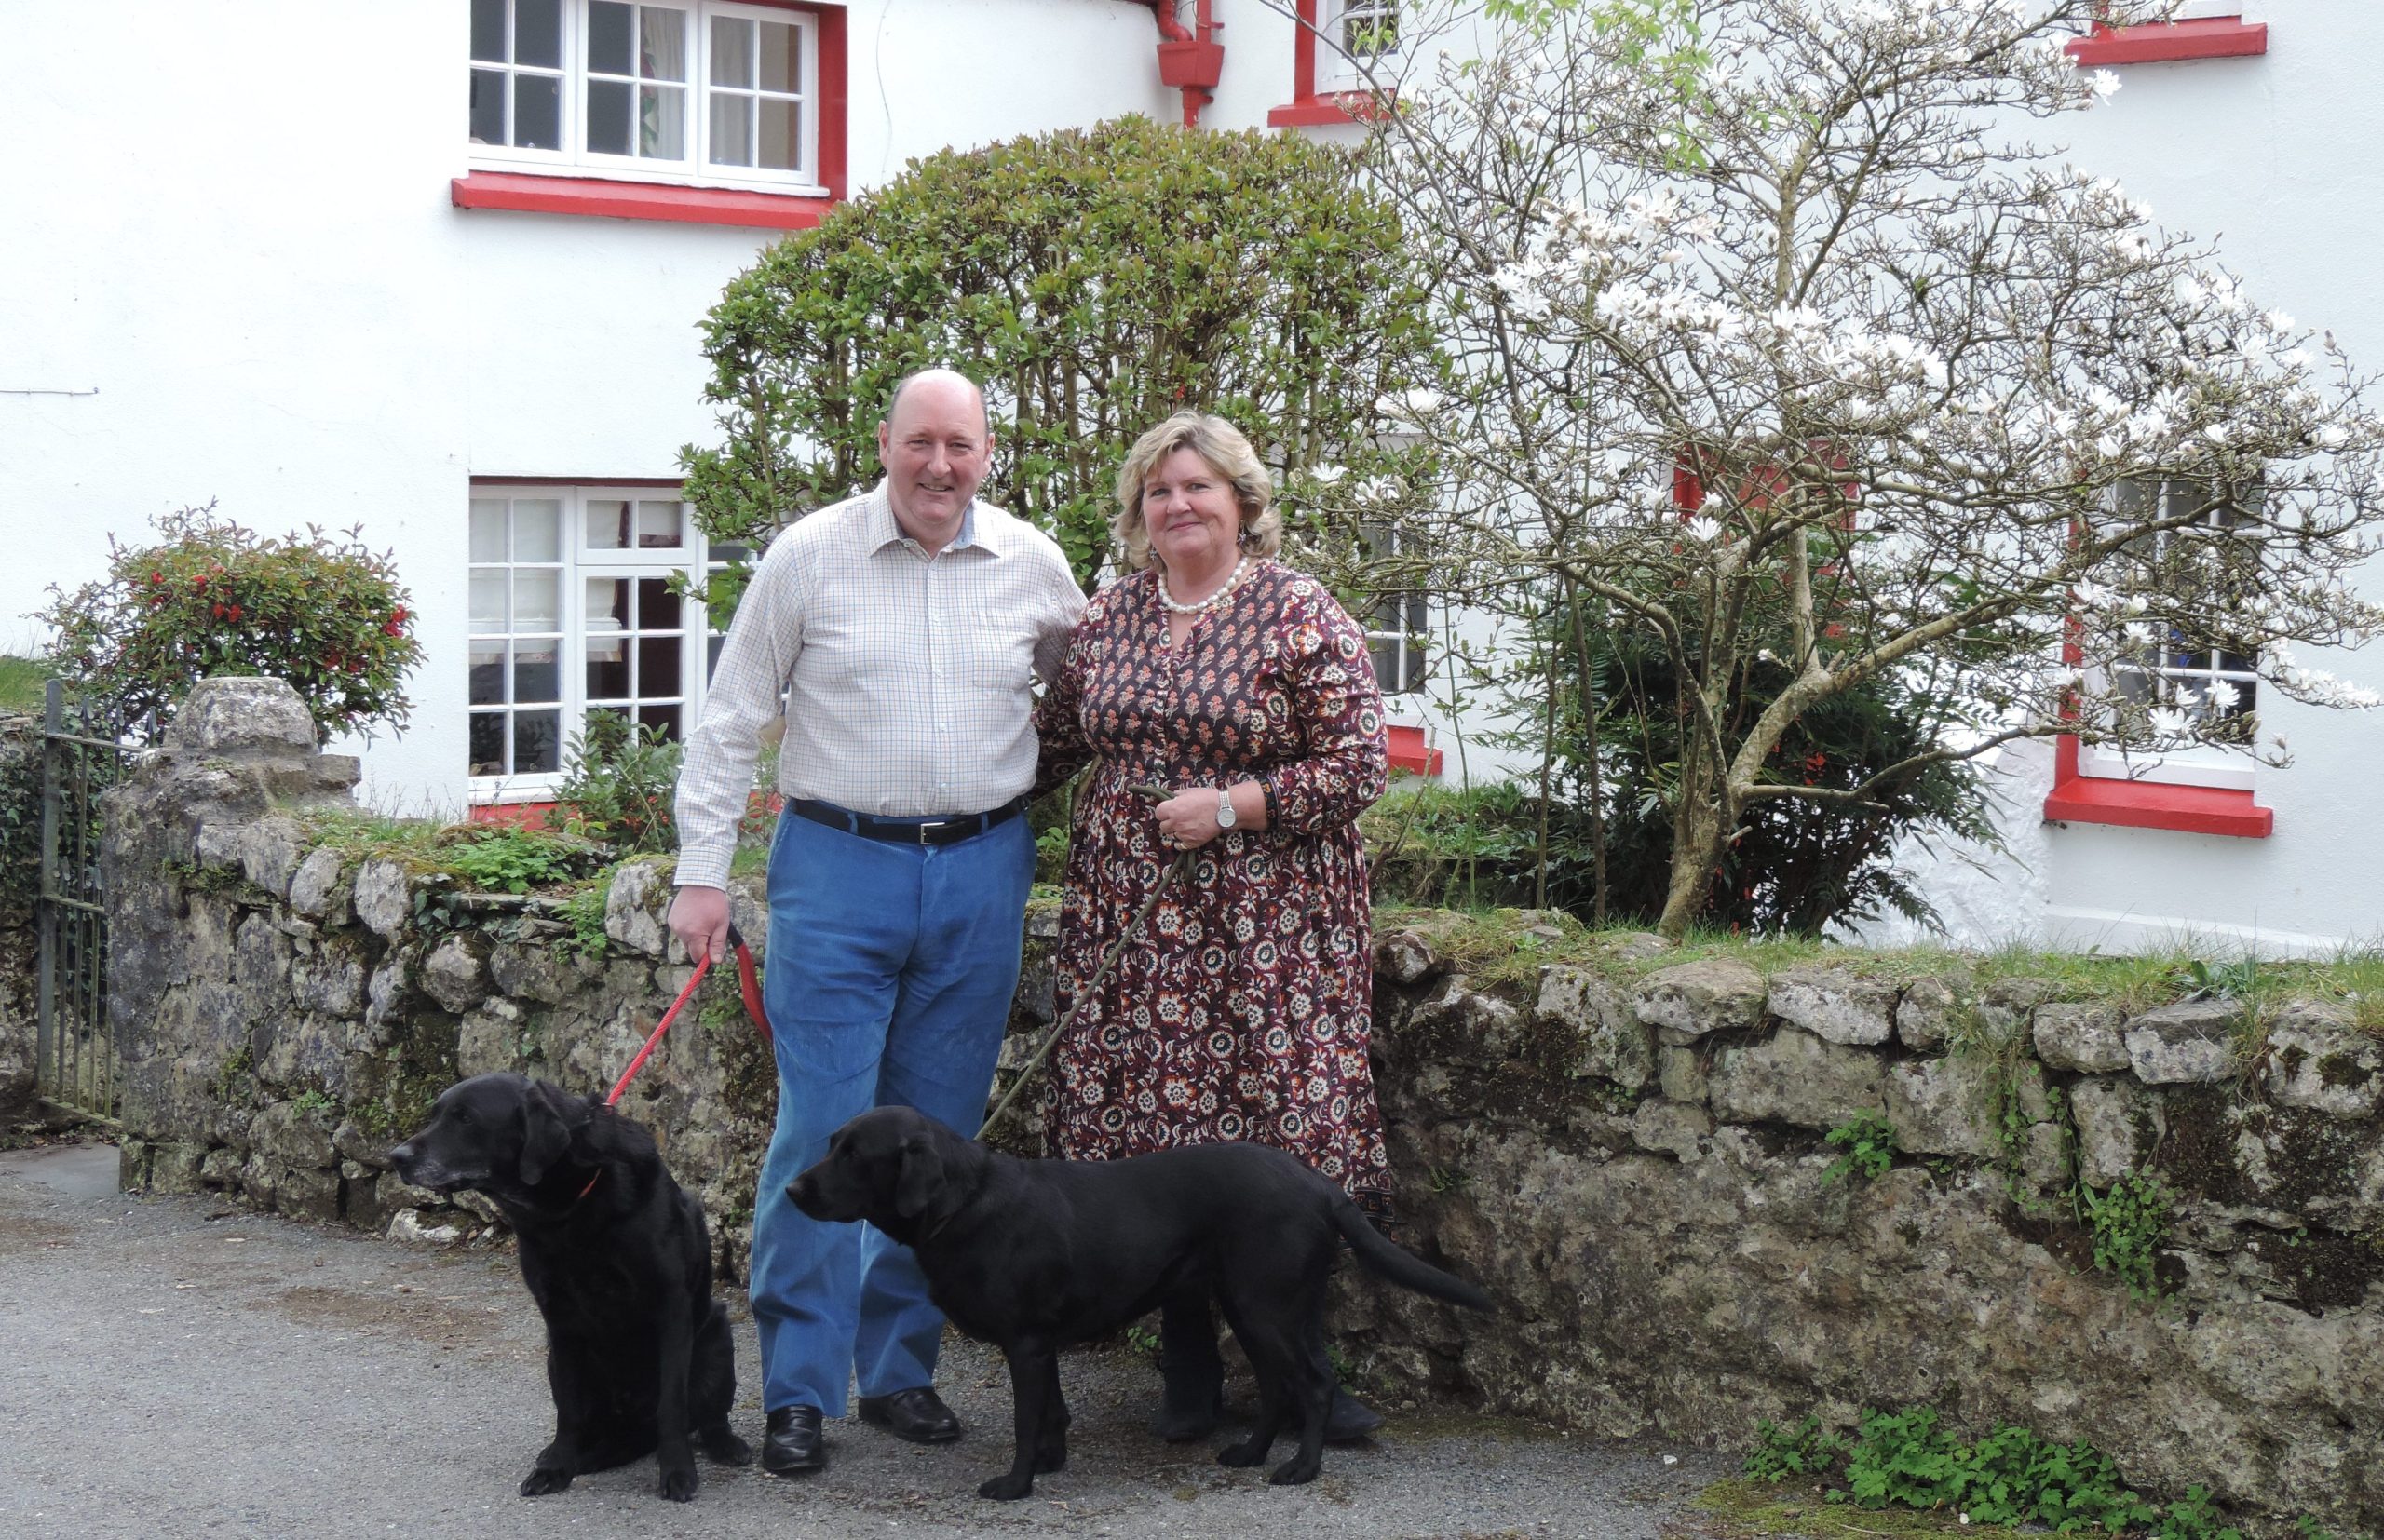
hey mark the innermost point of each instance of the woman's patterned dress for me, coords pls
(1243, 1008)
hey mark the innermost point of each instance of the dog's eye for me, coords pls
(464, 1116)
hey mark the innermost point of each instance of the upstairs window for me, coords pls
(1363, 35)
(1398, 625)
(703, 92)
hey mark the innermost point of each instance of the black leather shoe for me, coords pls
(1348, 1419)
(792, 1443)
(918, 1416)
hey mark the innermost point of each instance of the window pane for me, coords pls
(488, 674)
(780, 50)
(611, 32)
(608, 523)
(732, 51)
(608, 117)
(537, 531)
(608, 669)
(657, 607)
(538, 602)
(732, 129)
(608, 604)
(658, 526)
(488, 31)
(662, 718)
(782, 138)
(488, 602)
(488, 107)
(488, 530)
(657, 666)
(537, 742)
(537, 32)
(664, 33)
(537, 112)
(488, 743)
(536, 678)
(662, 122)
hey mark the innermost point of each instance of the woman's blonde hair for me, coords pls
(1222, 447)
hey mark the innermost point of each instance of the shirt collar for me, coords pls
(884, 532)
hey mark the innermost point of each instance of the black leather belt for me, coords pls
(942, 830)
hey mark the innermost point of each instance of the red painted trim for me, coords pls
(533, 194)
(1308, 108)
(2149, 804)
(833, 99)
(664, 481)
(1408, 752)
(521, 815)
(2202, 38)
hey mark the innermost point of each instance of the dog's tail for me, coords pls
(1401, 1267)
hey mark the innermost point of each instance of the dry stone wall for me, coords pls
(1630, 1154)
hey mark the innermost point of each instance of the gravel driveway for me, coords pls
(171, 1367)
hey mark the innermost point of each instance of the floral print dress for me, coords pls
(1243, 1009)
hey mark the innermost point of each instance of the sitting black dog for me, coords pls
(1030, 1255)
(615, 1254)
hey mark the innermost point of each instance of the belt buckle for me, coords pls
(940, 823)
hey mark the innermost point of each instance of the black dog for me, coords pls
(1030, 1255)
(615, 1255)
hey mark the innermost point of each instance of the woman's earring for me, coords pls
(1242, 539)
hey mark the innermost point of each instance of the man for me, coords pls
(901, 628)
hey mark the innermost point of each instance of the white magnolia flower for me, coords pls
(1704, 529)
(2105, 86)
(2170, 722)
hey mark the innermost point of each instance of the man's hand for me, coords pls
(699, 918)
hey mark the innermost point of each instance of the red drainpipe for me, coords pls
(1192, 61)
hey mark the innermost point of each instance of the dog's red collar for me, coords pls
(595, 1178)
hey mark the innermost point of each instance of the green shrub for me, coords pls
(1806, 1451)
(322, 611)
(504, 858)
(2130, 1220)
(1869, 1141)
(618, 780)
(1095, 280)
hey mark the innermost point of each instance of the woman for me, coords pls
(1243, 1007)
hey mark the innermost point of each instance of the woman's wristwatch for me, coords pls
(1224, 808)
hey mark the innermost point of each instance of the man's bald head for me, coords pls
(940, 379)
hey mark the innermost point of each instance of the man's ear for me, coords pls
(546, 1137)
(919, 1178)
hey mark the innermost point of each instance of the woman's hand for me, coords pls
(1189, 820)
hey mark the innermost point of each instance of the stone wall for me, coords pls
(1629, 1152)
(20, 949)
(1635, 1164)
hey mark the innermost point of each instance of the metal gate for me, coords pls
(84, 752)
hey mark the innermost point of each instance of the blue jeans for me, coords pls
(891, 971)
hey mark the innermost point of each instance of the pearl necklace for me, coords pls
(1241, 569)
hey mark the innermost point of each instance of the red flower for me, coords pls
(392, 628)
(234, 613)
(219, 611)
(399, 614)
(156, 577)
(198, 582)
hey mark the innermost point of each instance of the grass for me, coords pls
(1748, 1508)
(22, 682)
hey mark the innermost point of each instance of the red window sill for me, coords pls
(1409, 754)
(2204, 37)
(1315, 111)
(521, 815)
(546, 194)
(2147, 805)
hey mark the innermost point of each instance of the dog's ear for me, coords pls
(919, 1176)
(546, 1136)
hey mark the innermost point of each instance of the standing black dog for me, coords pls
(638, 1352)
(1030, 1255)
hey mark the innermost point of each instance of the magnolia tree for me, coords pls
(1774, 346)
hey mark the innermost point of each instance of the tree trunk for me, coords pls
(1697, 843)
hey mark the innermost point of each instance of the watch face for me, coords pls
(1225, 811)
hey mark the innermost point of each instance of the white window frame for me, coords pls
(697, 170)
(2212, 766)
(579, 563)
(1336, 70)
(1410, 645)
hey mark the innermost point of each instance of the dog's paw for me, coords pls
(1242, 1455)
(1295, 1472)
(679, 1486)
(724, 1447)
(544, 1479)
(1008, 1487)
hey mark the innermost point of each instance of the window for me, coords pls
(1397, 625)
(2189, 665)
(1330, 40)
(1363, 35)
(703, 92)
(573, 613)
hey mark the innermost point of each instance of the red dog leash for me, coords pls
(748, 984)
